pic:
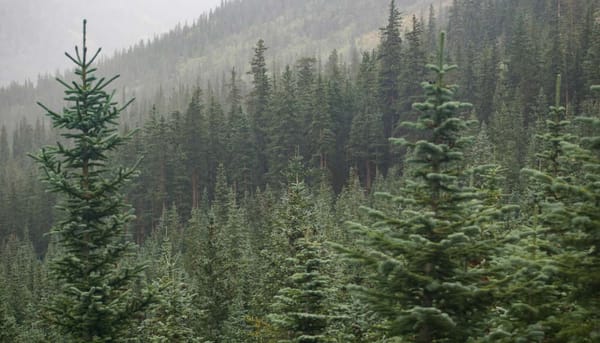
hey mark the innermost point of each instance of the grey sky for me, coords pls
(35, 33)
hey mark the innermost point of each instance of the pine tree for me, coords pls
(413, 70)
(306, 99)
(4, 149)
(566, 203)
(390, 68)
(300, 311)
(286, 127)
(96, 300)
(157, 152)
(527, 283)
(431, 39)
(216, 134)
(241, 147)
(426, 260)
(195, 138)
(258, 105)
(8, 324)
(366, 143)
(487, 77)
(321, 128)
(170, 318)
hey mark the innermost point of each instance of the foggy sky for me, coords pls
(34, 34)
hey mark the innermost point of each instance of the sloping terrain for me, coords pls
(204, 51)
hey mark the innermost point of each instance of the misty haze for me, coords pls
(34, 33)
(300, 171)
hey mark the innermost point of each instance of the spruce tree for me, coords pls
(286, 127)
(390, 68)
(4, 151)
(426, 260)
(300, 310)
(241, 147)
(195, 138)
(258, 105)
(170, 318)
(566, 197)
(321, 130)
(8, 325)
(95, 300)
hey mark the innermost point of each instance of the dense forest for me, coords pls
(442, 185)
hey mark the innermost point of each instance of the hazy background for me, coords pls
(34, 34)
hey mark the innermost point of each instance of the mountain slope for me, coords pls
(33, 33)
(223, 39)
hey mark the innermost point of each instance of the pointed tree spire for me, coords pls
(95, 301)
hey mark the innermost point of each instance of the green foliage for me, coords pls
(300, 310)
(96, 300)
(447, 245)
(426, 263)
(8, 324)
(170, 318)
(390, 67)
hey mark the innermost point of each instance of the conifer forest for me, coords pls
(311, 171)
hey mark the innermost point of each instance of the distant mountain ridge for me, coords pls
(206, 50)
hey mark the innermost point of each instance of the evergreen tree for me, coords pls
(527, 283)
(366, 143)
(215, 141)
(413, 70)
(241, 149)
(170, 318)
(340, 112)
(306, 99)
(4, 149)
(96, 300)
(321, 128)
(8, 326)
(301, 309)
(286, 128)
(195, 146)
(157, 153)
(567, 213)
(426, 262)
(487, 77)
(258, 105)
(431, 38)
(390, 68)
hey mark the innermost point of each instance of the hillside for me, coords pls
(34, 34)
(216, 42)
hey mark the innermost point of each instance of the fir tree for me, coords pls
(170, 318)
(390, 67)
(426, 260)
(286, 135)
(96, 300)
(195, 146)
(241, 148)
(566, 202)
(321, 128)
(4, 150)
(301, 308)
(8, 325)
(258, 105)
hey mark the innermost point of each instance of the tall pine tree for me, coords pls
(96, 300)
(426, 258)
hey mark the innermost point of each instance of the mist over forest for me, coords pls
(34, 34)
(300, 171)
